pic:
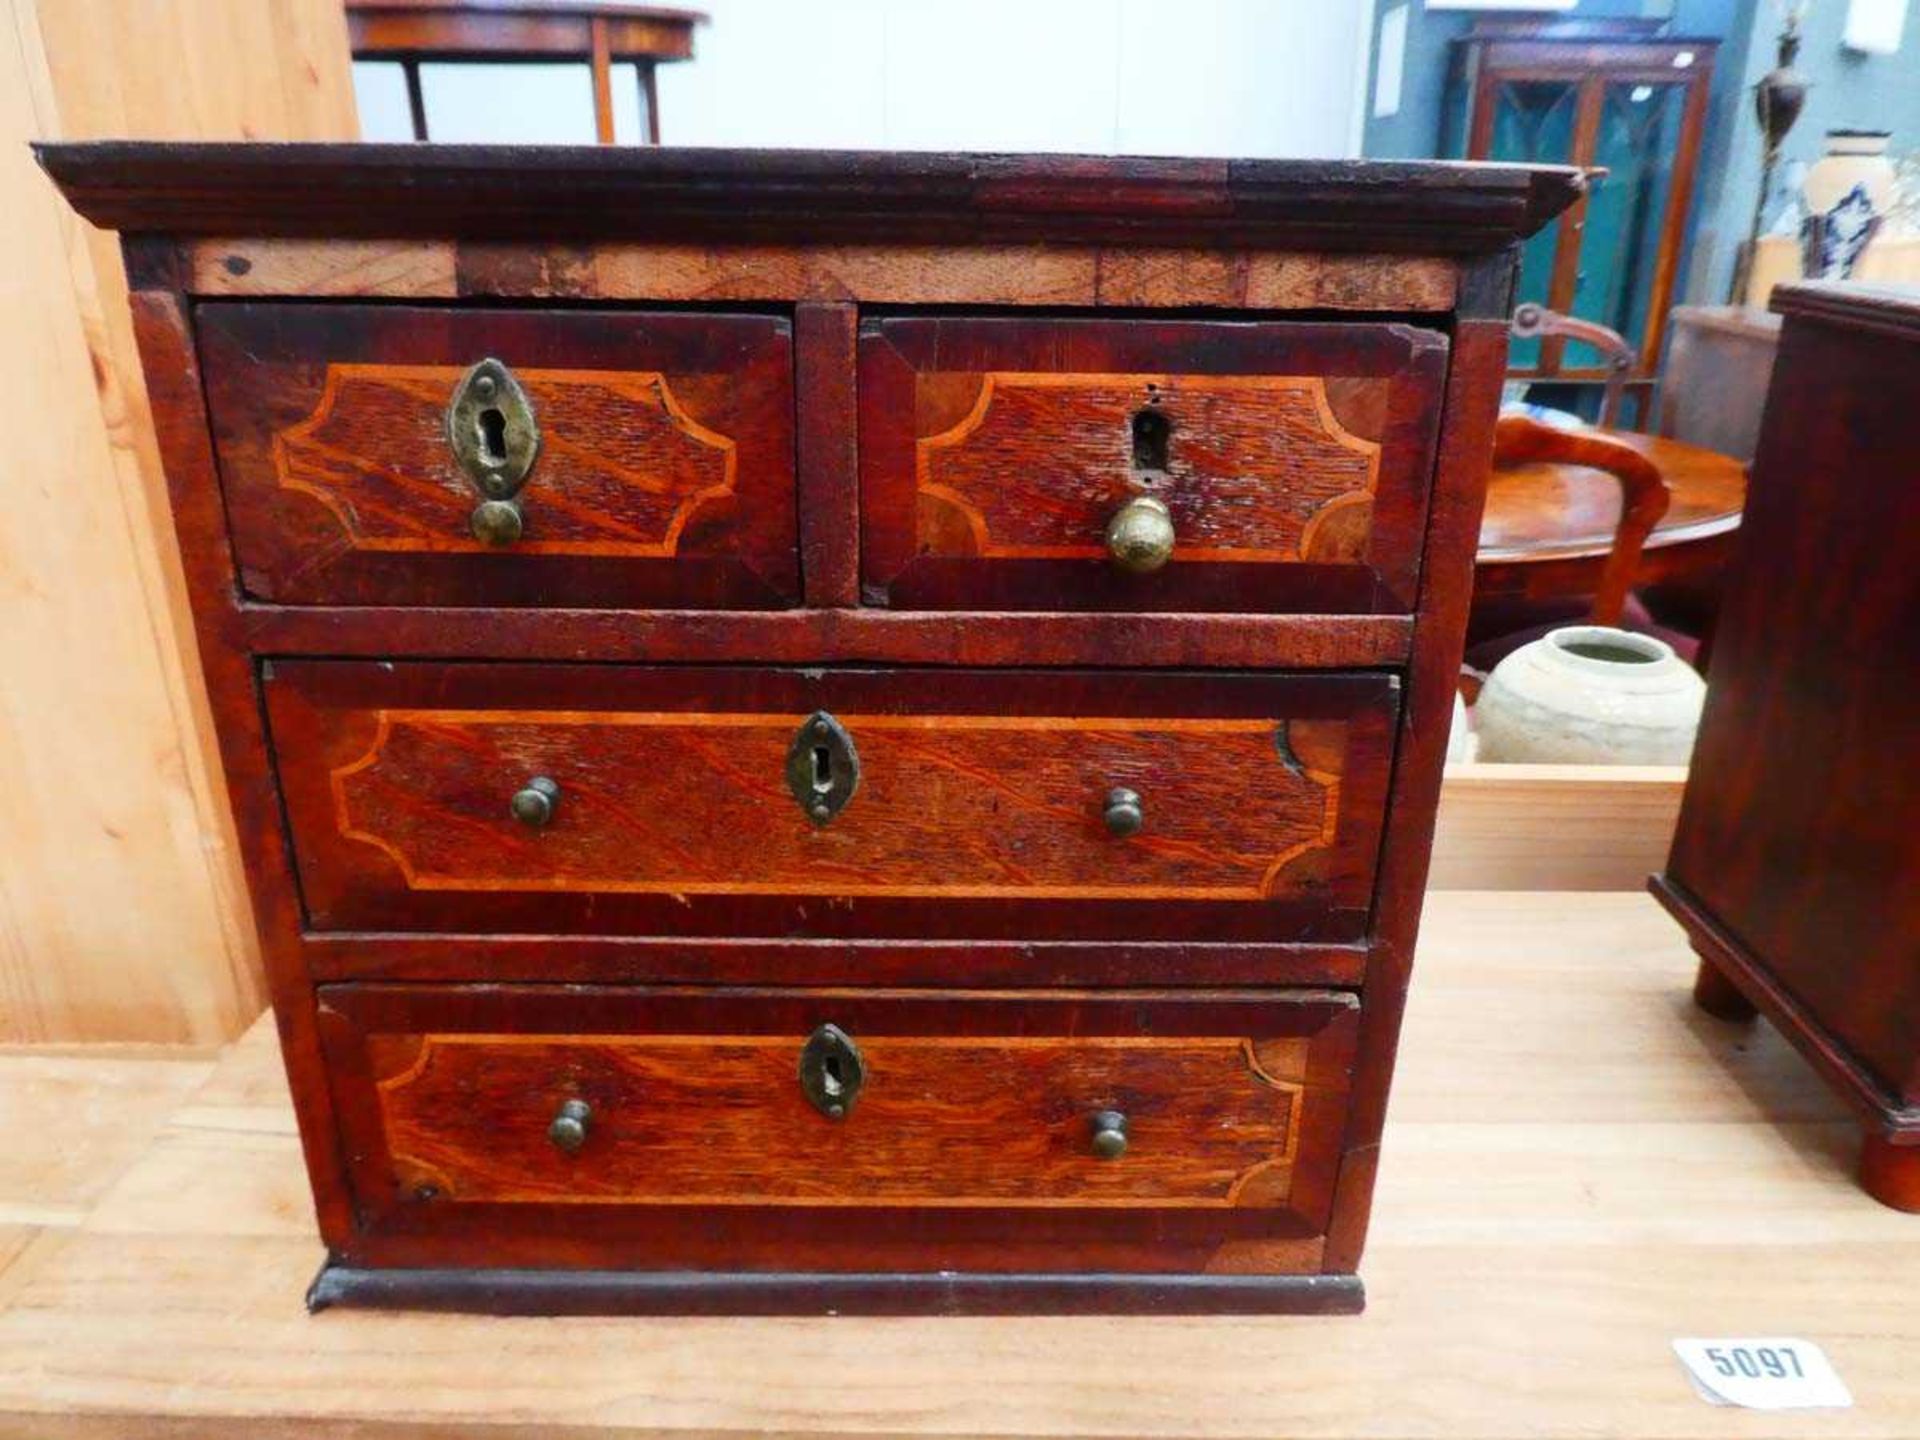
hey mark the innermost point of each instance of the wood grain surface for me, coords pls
(705, 1120)
(1262, 795)
(1553, 1204)
(383, 698)
(565, 193)
(664, 474)
(1117, 275)
(950, 1114)
(967, 1148)
(1554, 827)
(1294, 460)
(1794, 858)
(123, 913)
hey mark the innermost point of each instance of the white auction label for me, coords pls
(1763, 1373)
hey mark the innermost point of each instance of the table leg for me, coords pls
(416, 102)
(602, 82)
(649, 101)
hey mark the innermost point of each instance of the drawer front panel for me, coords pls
(1292, 462)
(979, 807)
(663, 473)
(683, 1101)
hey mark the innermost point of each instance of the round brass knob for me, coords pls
(1140, 535)
(1109, 1133)
(1124, 813)
(496, 522)
(533, 803)
(568, 1131)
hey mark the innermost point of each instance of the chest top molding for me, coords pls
(1890, 310)
(516, 192)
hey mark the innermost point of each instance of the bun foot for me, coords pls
(1716, 995)
(1891, 1173)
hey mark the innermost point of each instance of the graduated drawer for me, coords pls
(1290, 462)
(681, 1127)
(661, 455)
(663, 800)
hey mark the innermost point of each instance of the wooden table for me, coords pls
(601, 33)
(1581, 1168)
(1548, 529)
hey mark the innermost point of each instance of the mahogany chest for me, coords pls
(1796, 863)
(827, 731)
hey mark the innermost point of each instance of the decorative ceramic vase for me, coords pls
(1589, 695)
(1849, 192)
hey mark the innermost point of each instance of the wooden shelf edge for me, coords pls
(1554, 827)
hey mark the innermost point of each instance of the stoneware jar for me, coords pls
(1461, 746)
(1589, 695)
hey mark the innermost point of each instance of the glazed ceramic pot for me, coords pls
(1849, 192)
(1589, 695)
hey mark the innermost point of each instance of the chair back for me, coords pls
(1536, 322)
(1643, 493)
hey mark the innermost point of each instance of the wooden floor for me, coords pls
(1579, 1168)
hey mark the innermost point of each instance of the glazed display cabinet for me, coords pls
(1600, 95)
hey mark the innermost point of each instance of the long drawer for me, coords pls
(840, 1129)
(851, 802)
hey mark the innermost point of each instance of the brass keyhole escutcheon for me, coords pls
(495, 441)
(832, 1071)
(823, 768)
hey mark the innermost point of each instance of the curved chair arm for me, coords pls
(1532, 322)
(1643, 493)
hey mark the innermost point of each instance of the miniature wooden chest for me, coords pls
(1795, 861)
(827, 731)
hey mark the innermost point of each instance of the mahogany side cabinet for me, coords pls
(827, 731)
(1796, 865)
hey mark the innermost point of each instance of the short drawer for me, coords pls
(627, 458)
(691, 800)
(1067, 464)
(857, 1120)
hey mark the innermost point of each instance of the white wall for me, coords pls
(1208, 77)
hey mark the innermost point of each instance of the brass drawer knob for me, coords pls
(1109, 1133)
(1124, 813)
(497, 522)
(533, 803)
(1140, 535)
(568, 1131)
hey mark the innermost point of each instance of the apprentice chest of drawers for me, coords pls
(821, 732)
(1795, 867)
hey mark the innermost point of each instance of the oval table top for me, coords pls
(1548, 512)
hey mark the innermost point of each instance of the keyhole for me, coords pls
(830, 1077)
(493, 434)
(1151, 430)
(822, 772)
